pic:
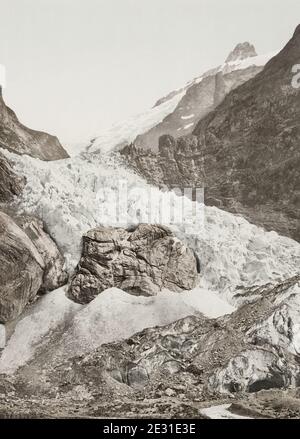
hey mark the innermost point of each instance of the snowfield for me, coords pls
(126, 131)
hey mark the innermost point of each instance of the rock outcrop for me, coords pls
(19, 139)
(202, 96)
(30, 262)
(241, 51)
(141, 262)
(54, 274)
(10, 183)
(245, 152)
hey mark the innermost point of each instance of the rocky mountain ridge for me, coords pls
(244, 153)
(17, 138)
(203, 94)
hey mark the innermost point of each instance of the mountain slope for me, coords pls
(245, 152)
(250, 144)
(203, 94)
(126, 131)
(19, 139)
(244, 63)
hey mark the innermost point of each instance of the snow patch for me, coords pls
(259, 61)
(187, 117)
(221, 412)
(189, 125)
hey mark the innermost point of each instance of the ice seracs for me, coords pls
(75, 195)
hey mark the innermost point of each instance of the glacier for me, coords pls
(73, 196)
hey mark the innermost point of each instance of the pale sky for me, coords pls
(73, 67)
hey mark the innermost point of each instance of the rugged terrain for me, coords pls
(30, 263)
(168, 307)
(244, 153)
(19, 139)
(203, 94)
(178, 369)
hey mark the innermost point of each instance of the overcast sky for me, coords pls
(75, 66)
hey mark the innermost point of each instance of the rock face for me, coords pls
(30, 262)
(241, 51)
(141, 262)
(179, 163)
(21, 140)
(202, 96)
(10, 183)
(54, 274)
(245, 152)
(251, 146)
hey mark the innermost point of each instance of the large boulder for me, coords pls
(141, 262)
(29, 261)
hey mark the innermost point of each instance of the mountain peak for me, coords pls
(241, 51)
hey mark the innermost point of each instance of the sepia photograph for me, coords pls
(149, 213)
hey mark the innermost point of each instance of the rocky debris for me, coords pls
(201, 356)
(19, 139)
(201, 97)
(244, 153)
(10, 183)
(192, 358)
(178, 369)
(141, 262)
(30, 262)
(273, 403)
(241, 51)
